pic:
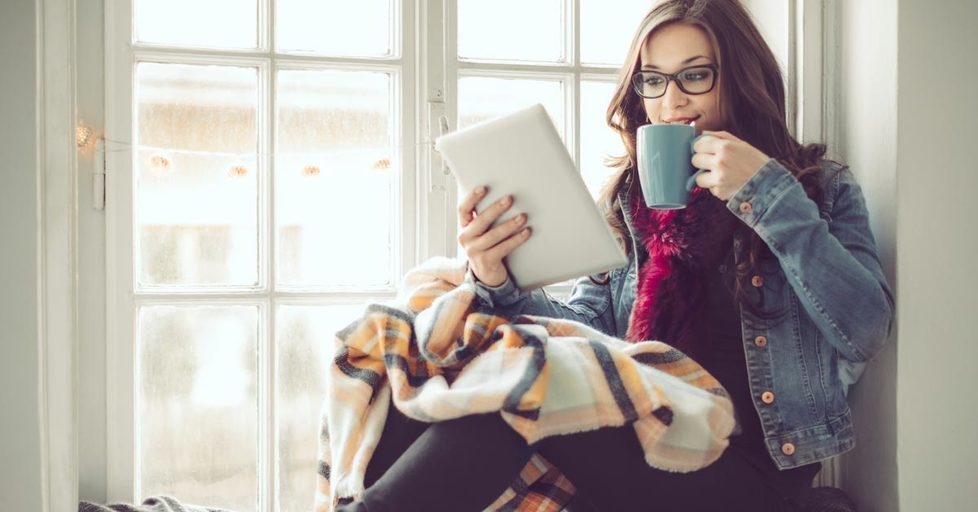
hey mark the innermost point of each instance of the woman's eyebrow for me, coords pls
(687, 61)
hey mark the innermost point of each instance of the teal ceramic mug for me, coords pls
(665, 169)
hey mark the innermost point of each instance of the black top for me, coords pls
(722, 354)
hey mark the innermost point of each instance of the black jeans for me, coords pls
(465, 464)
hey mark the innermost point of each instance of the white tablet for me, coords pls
(522, 154)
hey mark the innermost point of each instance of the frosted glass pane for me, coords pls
(481, 98)
(335, 176)
(511, 30)
(197, 409)
(335, 27)
(304, 344)
(606, 32)
(196, 202)
(211, 23)
(597, 139)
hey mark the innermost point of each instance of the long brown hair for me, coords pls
(752, 102)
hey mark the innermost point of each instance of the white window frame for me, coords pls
(122, 301)
(57, 258)
(428, 91)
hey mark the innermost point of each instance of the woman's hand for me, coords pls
(730, 163)
(485, 247)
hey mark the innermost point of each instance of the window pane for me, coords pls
(213, 23)
(481, 98)
(304, 344)
(511, 30)
(335, 27)
(196, 204)
(597, 140)
(334, 178)
(607, 32)
(197, 413)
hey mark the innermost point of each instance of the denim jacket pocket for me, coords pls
(768, 293)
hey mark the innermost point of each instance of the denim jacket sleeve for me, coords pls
(831, 264)
(589, 303)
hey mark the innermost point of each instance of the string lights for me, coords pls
(238, 171)
(84, 136)
(159, 161)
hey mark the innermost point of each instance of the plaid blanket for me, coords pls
(441, 355)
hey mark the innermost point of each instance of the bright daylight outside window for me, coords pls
(268, 177)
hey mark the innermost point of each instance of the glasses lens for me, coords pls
(697, 80)
(649, 84)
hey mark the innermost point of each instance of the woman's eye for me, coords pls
(654, 80)
(694, 76)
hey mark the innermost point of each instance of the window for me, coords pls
(263, 193)
(270, 173)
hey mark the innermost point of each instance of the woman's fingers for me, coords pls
(499, 233)
(507, 246)
(703, 161)
(467, 207)
(484, 219)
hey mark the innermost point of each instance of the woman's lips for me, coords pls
(680, 120)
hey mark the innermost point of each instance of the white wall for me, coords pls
(907, 130)
(864, 52)
(938, 241)
(20, 442)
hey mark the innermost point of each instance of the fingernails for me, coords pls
(508, 200)
(480, 191)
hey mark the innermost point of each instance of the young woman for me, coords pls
(769, 278)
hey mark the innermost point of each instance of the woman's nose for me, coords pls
(674, 96)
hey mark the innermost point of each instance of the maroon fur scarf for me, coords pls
(682, 245)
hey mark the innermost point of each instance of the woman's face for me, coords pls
(672, 48)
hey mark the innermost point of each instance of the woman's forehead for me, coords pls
(672, 46)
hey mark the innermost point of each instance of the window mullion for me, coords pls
(436, 229)
(267, 406)
(408, 136)
(575, 82)
(120, 306)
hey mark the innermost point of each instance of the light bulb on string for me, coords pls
(160, 161)
(84, 136)
(238, 171)
(382, 165)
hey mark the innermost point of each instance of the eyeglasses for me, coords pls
(692, 80)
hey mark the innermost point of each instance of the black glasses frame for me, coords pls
(637, 80)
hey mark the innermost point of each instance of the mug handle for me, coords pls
(691, 182)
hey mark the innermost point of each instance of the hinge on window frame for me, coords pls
(438, 172)
(98, 176)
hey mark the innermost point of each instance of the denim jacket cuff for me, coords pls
(761, 191)
(494, 296)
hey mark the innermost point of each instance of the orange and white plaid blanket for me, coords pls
(442, 355)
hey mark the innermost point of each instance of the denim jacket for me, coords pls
(826, 306)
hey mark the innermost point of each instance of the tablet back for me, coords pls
(522, 154)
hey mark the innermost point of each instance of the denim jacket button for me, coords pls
(746, 207)
(788, 449)
(757, 281)
(767, 397)
(760, 341)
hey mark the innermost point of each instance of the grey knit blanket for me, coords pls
(153, 504)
